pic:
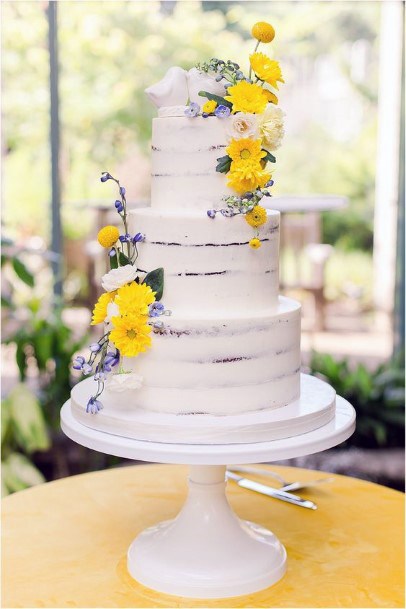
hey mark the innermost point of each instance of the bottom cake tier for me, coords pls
(217, 366)
(315, 408)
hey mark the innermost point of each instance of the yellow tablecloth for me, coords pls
(65, 542)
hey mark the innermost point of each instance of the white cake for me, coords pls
(225, 347)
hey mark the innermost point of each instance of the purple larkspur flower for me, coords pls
(105, 176)
(111, 360)
(222, 111)
(93, 406)
(125, 238)
(192, 110)
(87, 369)
(156, 309)
(211, 213)
(99, 376)
(118, 205)
(138, 238)
(78, 362)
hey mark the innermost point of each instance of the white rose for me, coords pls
(117, 383)
(112, 311)
(200, 81)
(116, 278)
(241, 126)
(172, 90)
(271, 127)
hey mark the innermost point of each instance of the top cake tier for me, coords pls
(184, 158)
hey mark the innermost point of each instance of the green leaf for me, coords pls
(224, 164)
(219, 100)
(5, 418)
(22, 272)
(21, 358)
(19, 473)
(28, 420)
(6, 302)
(269, 158)
(123, 259)
(113, 261)
(155, 280)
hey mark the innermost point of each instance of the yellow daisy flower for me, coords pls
(263, 31)
(108, 235)
(130, 334)
(245, 149)
(255, 243)
(209, 106)
(257, 217)
(134, 298)
(100, 308)
(247, 177)
(247, 97)
(266, 69)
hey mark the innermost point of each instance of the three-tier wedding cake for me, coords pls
(193, 321)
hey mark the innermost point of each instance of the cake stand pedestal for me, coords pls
(207, 551)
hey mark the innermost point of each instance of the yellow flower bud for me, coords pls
(209, 106)
(108, 235)
(255, 243)
(263, 31)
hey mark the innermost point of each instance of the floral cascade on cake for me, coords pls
(127, 309)
(231, 345)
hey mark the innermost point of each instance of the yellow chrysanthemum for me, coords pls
(257, 217)
(108, 235)
(247, 97)
(245, 149)
(209, 106)
(263, 31)
(247, 177)
(271, 97)
(130, 334)
(255, 243)
(266, 69)
(133, 299)
(100, 308)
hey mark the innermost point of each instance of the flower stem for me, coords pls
(255, 50)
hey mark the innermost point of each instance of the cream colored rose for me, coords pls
(271, 127)
(116, 278)
(242, 126)
(122, 381)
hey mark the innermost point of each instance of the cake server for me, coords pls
(252, 485)
(286, 486)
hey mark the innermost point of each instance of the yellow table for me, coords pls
(65, 542)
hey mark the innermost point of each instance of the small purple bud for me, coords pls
(76, 366)
(211, 213)
(269, 184)
(205, 115)
(122, 190)
(105, 176)
(112, 253)
(87, 369)
(119, 206)
(138, 238)
(94, 347)
(222, 111)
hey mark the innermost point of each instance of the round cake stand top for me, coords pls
(335, 432)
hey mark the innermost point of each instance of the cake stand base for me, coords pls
(206, 551)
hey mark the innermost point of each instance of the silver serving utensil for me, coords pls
(251, 485)
(286, 486)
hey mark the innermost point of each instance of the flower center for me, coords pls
(131, 333)
(245, 153)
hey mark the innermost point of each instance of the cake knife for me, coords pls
(252, 485)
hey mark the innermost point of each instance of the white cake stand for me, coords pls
(207, 551)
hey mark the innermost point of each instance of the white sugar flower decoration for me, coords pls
(271, 127)
(242, 125)
(122, 381)
(116, 278)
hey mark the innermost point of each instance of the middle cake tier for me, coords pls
(218, 365)
(208, 263)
